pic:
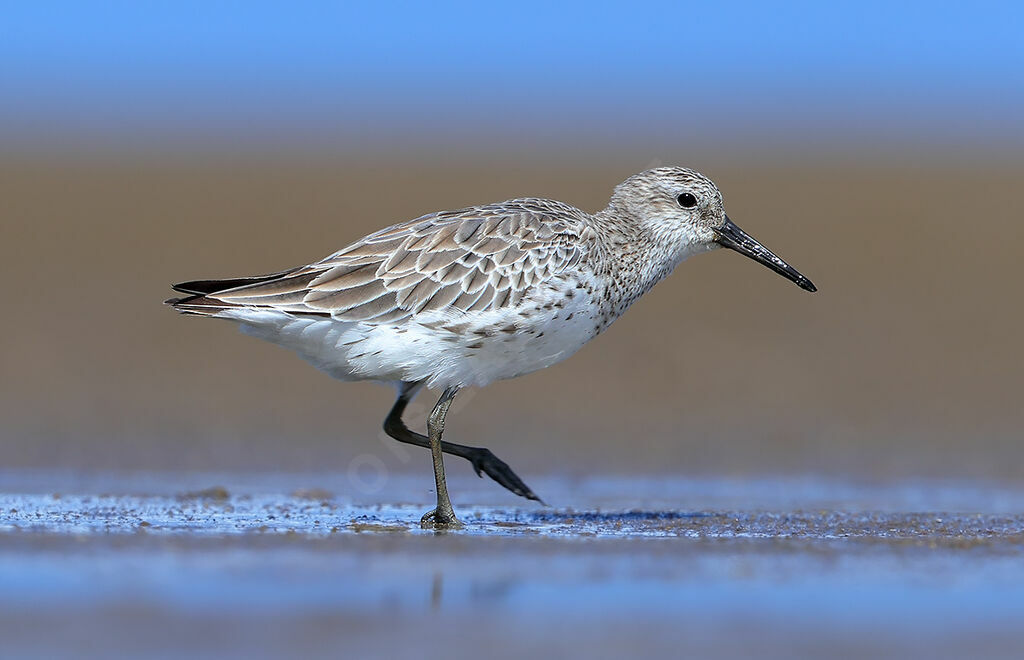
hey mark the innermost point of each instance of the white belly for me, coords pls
(445, 349)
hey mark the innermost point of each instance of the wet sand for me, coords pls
(735, 469)
(160, 565)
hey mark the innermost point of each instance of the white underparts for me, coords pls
(448, 348)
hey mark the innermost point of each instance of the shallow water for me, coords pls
(260, 565)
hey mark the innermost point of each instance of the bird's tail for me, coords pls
(201, 300)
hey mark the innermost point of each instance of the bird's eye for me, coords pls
(687, 200)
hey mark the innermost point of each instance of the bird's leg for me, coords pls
(482, 459)
(443, 515)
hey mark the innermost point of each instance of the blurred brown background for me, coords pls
(907, 362)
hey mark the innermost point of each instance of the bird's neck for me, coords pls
(636, 257)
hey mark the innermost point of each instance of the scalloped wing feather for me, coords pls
(474, 259)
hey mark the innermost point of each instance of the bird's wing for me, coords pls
(474, 259)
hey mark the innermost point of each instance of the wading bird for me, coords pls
(463, 298)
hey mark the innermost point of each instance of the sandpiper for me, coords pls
(462, 298)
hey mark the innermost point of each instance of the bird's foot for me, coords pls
(440, 518)
(485, 462)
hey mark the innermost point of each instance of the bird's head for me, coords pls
(683, 209)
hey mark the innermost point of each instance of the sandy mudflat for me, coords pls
(176, 490)
(259, 565)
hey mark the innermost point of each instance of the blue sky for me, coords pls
(252, 71)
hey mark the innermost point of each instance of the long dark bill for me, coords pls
(734, 238)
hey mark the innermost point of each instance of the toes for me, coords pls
(432, 520)
(507, 478)
(486, 462)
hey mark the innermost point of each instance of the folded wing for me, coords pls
(474, 259)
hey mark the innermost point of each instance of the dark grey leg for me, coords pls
(482, 459)
(443, 515)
